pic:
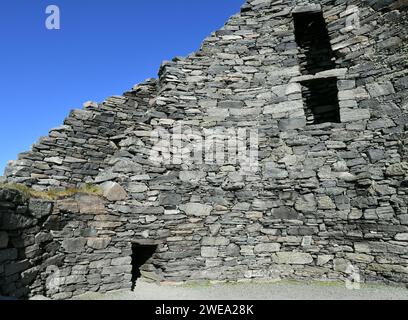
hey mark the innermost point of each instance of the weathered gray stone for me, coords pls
(355, 214)
(375, 155)
(74, 245)
(68, 205)
(192, 176)
(215, 241)
(196, 209)
(16, 267)
(306, 204)
(349, 115)
(233, 250)
(4, 239)
(137, 188)
(273, 172)
(404, 219)
(324, 259)
(380, 89)
(360, 257)
(296, 258)
(40, 208)
(398, 169)
(43, 237)
(325, 203)
(267, 247)
(91, 204)
(341, 265)
(170, 199)
(285, 213)
(113, 191)
(401, 237)
(302, 231)
(121, 261)
(8, 255)
(127, 166)
(98, 243)
(209, 252)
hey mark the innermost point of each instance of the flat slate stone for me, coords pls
(296, 258)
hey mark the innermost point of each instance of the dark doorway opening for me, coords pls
(141, 254)
(313, 39)
(320, 98)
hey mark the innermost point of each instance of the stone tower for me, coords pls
(317, 90)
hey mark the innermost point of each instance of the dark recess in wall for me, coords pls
(313, 40)
(320, 99)
(140, 255)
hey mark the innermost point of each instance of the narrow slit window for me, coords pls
(320, 99)
(313, 40)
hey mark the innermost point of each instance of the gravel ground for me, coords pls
(253, 291)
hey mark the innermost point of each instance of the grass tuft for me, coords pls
(52, 194)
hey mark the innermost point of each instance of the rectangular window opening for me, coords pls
(320, 99)
(313, 40)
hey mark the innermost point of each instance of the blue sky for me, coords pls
(103, 48)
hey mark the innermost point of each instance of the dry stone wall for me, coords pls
(326, 200)
(26, 244)
(75, 151)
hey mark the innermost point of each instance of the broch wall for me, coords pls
(325, 200)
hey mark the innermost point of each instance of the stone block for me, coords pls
(192, 176)
(91, 204)
(209, 252)
(16, 267)
(359, 257)
(306, 203)
(196, 209)
(302, 231)
(272, 171)
(296, 258)
(215, 241)
(169, 199)
(98, 243)
(341, 265)
(326, 203)
(349, 115)
(401, 237)
(113, 191)
(15, 221)
(68, 205)
(284, 213)
(233, 250)
(40, 208)
(380, 89)
(397, 169)
(324, 259)
(43, 237)
(404, 219)
(121, 261)
(402, 83)
(8, 255)
(74, 245)
(137, 188)
(267, 248)
(113, 270)
(282, 108)
(4, 239)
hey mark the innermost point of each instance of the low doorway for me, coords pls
(141, 254)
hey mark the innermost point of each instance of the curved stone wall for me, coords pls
(27, 247)
(322, 201)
